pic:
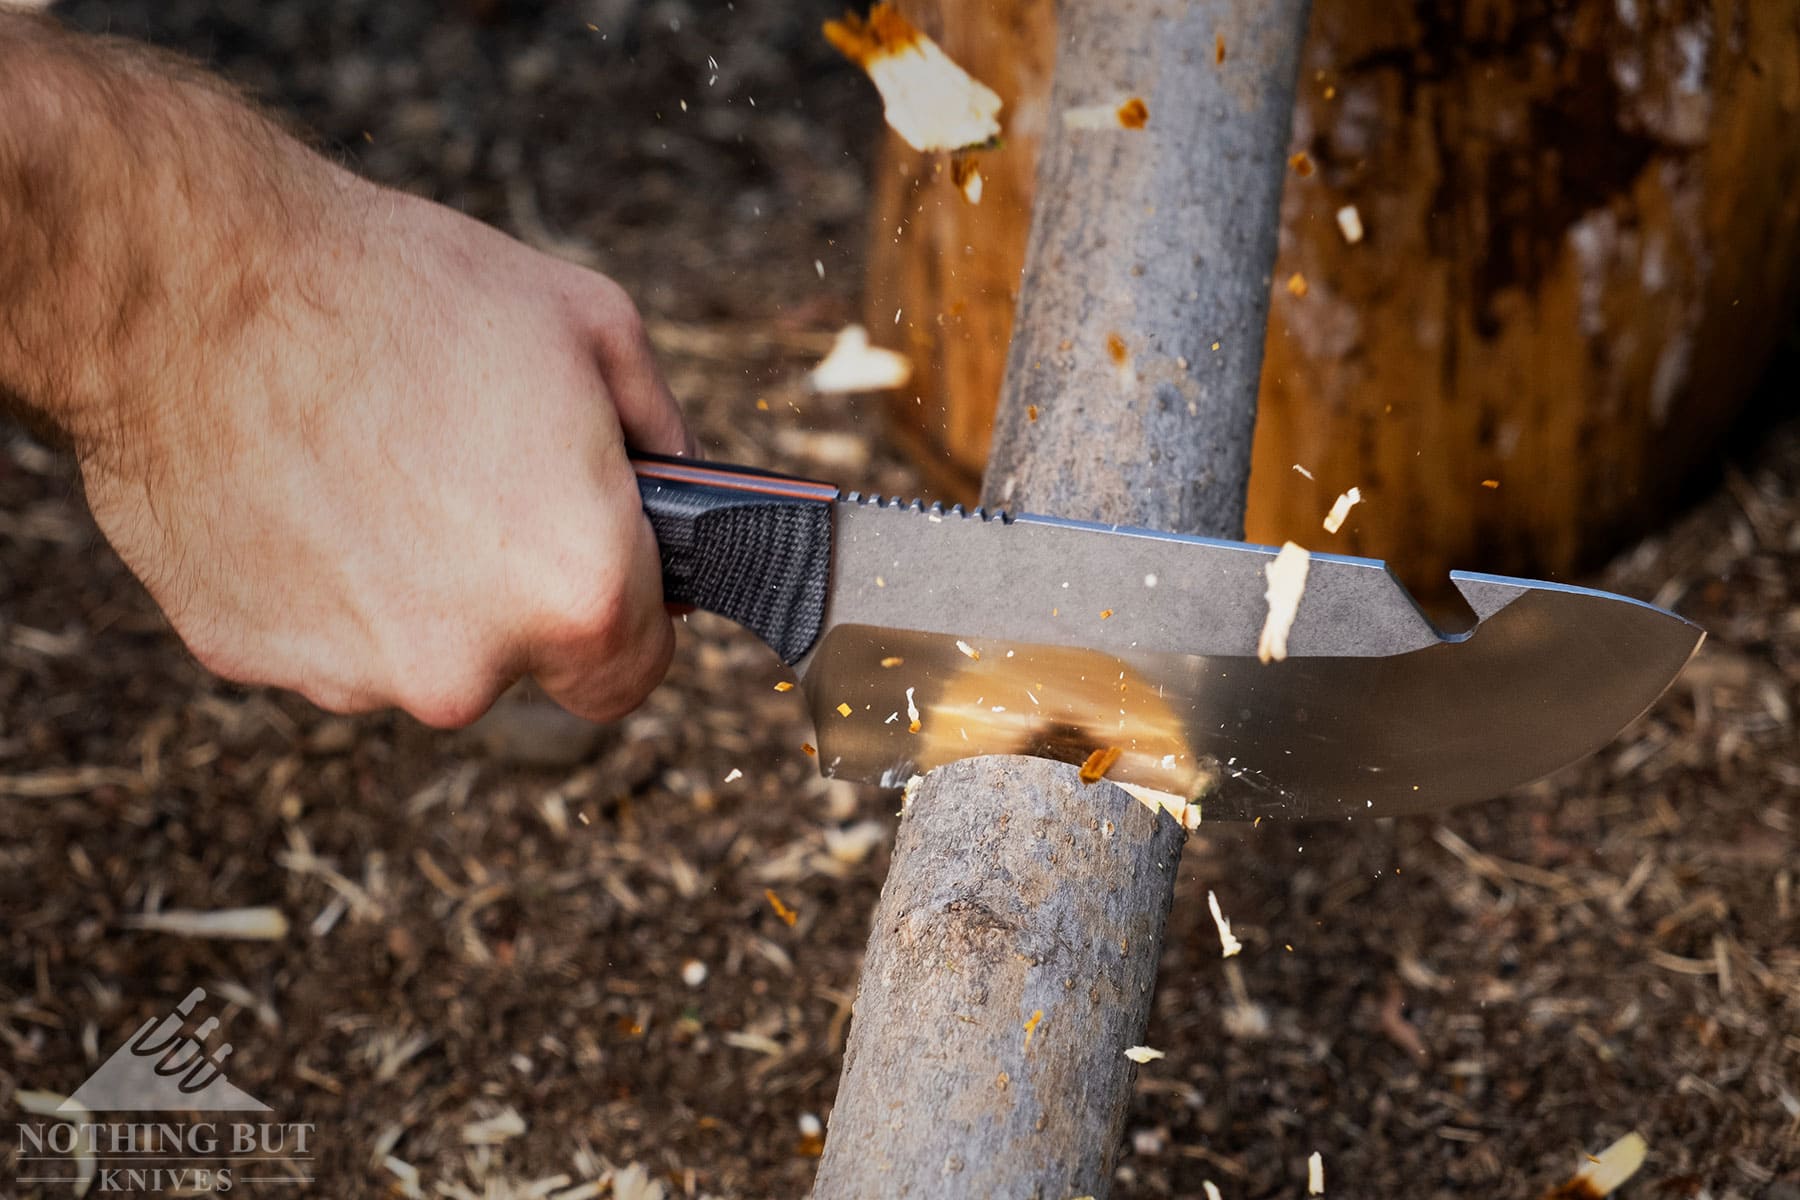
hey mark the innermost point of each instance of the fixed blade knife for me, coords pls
(923, 635)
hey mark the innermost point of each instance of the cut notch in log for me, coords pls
(1020, 899)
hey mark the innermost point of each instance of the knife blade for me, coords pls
(926, 635)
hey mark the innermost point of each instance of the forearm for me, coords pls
(147, 216)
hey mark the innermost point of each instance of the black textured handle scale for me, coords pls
(746, 544)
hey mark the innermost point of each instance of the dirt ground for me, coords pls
(1439, 1007)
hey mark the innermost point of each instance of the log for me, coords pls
(1582, 244)
(1015, 944)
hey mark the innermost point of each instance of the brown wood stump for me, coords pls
(1581, 242)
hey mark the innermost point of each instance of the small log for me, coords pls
(1015, 946)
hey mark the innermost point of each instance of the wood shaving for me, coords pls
(1349, 223)
(1286, 573)
(634, 1182)
(1227, 942)
(788, 915)
(406, 1178)
(246, 924)
(1129, 113)
(855, 843)
(892, 660)
(1143, 1054)
(1099, 763)
(733, 775)
(1303, 470)
(968, 650)
(1334, 520)
(967, 178)
(912, 712)
(932, 103)
(496, 1130)
(853, 365)
(1212, 1190)
(1605, 1172)
(1315, 1174)
(910, 790)
(1186, 812)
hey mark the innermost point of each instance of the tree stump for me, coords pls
(1015, 946)
(1581, 243)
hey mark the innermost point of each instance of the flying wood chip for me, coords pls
(1228, 944)
(1287, 581)
(1334, 520)
(932, 103)
(1130, 113)
(788, 915)
(967, 177)
(1099, 763)
(853, 365)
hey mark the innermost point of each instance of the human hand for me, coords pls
(355, 444)
(400, 478)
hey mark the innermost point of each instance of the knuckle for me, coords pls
(592, 610)
(450, 705)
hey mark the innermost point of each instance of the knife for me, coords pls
(923, 635)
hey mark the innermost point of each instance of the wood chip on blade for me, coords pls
(1287, 583)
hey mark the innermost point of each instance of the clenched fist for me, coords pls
(354, 443)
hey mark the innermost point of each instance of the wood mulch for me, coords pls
(1458, 1006)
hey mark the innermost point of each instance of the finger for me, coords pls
(601, 661)
(647, 410)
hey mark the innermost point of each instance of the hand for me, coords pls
(399, 477)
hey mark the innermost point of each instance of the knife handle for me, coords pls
(749, 545)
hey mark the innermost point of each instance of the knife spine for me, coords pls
(935, 509)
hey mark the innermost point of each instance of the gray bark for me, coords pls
(1015, 890)
(1165, 239)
